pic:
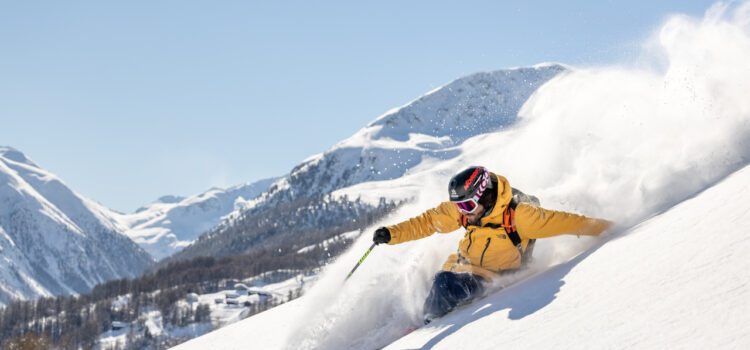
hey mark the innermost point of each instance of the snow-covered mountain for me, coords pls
(170, 223)
(54, 241)
(663, 151)
(427, 128)
(391, 147)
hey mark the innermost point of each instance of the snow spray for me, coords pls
(622, 142)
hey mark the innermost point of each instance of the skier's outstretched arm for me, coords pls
(443, 218)
(535, 222)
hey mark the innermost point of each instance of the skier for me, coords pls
(501, 224)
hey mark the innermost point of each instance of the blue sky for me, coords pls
(129, 101)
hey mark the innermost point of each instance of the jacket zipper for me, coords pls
(481, 260)
(469, 246)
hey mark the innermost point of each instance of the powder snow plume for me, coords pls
(618, 142)
(623, 143)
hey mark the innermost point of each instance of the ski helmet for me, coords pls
(466, 188)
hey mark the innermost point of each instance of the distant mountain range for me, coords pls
(54, 241)
(171, 223)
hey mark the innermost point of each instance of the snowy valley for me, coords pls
(326, 213)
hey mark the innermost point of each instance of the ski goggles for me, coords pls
(468, 206)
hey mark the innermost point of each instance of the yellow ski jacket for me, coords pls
(485, 248)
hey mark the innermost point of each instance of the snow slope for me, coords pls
(266, 332)
(169, 224)
(679, 280)
(635, 145)
(661, 284)
(54, 241)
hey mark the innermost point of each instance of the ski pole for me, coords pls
(361, 260)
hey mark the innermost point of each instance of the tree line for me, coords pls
(72, 322)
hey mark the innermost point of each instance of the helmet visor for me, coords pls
(467, 206)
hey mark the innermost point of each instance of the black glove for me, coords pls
(382, 235)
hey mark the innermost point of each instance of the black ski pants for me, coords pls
(449, 290)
